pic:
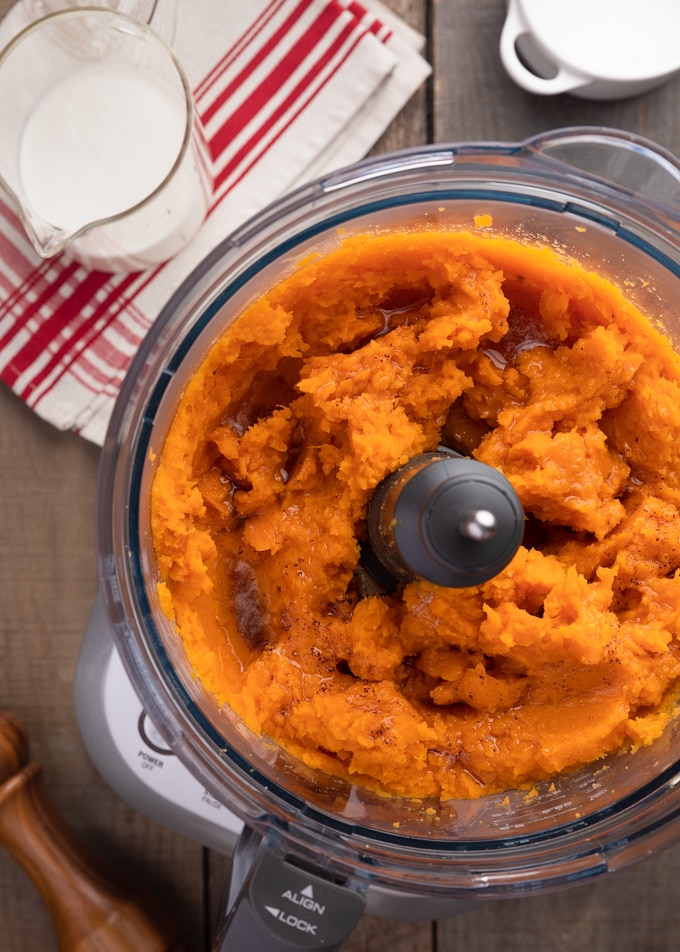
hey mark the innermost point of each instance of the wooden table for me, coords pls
(47, 585)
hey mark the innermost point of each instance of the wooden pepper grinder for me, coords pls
(91, 912)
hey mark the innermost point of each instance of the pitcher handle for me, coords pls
(160, 15)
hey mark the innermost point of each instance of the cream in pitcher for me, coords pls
(103, 154)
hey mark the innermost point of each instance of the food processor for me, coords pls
(311, 852)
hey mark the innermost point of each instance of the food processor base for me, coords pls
(130, 753)
(593, 194)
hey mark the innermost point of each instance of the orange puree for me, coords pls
(385, 347)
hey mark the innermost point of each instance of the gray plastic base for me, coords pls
(131, 755)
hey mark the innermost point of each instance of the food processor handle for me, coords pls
(642, 169)
(91, 912)
(273, 902)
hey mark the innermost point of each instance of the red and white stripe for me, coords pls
(69, 334)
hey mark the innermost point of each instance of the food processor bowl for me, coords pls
(608, 199)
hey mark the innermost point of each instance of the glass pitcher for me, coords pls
(102, 154)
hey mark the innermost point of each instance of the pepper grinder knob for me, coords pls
(445, 518)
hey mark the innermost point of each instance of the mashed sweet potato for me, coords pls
(387, 347)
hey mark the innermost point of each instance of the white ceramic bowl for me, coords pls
(593, 49)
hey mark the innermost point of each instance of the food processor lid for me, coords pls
(614, 40)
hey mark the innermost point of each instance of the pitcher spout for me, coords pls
(47, 240)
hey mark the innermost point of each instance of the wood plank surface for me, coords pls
(48, 581)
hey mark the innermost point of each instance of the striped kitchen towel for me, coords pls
(287, 90)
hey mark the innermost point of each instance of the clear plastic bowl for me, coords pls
(612, 201)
